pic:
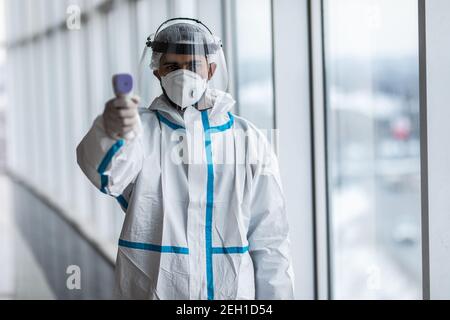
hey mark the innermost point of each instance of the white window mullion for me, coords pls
(293, 120)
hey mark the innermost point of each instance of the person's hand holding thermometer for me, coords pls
(121, 117)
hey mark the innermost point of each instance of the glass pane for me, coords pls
(254, 61)
(371, 52)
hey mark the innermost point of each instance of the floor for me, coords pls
(21, 276)
(38, 248)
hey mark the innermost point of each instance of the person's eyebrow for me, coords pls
(169, 63)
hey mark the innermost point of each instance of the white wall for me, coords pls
(293, 117)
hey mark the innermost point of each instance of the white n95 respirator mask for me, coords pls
(183, 87)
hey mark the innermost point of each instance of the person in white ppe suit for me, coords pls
(205, 210)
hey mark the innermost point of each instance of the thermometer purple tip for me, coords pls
(122, 84)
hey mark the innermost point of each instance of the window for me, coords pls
(150, 15)
(253, 31)
(373, 141)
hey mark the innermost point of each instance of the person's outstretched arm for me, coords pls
(110, 162)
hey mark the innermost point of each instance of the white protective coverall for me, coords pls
(205, 211)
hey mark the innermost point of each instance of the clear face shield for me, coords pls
(187, 61)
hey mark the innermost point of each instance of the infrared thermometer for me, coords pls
(123, 88)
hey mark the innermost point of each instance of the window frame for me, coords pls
(322, 213)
